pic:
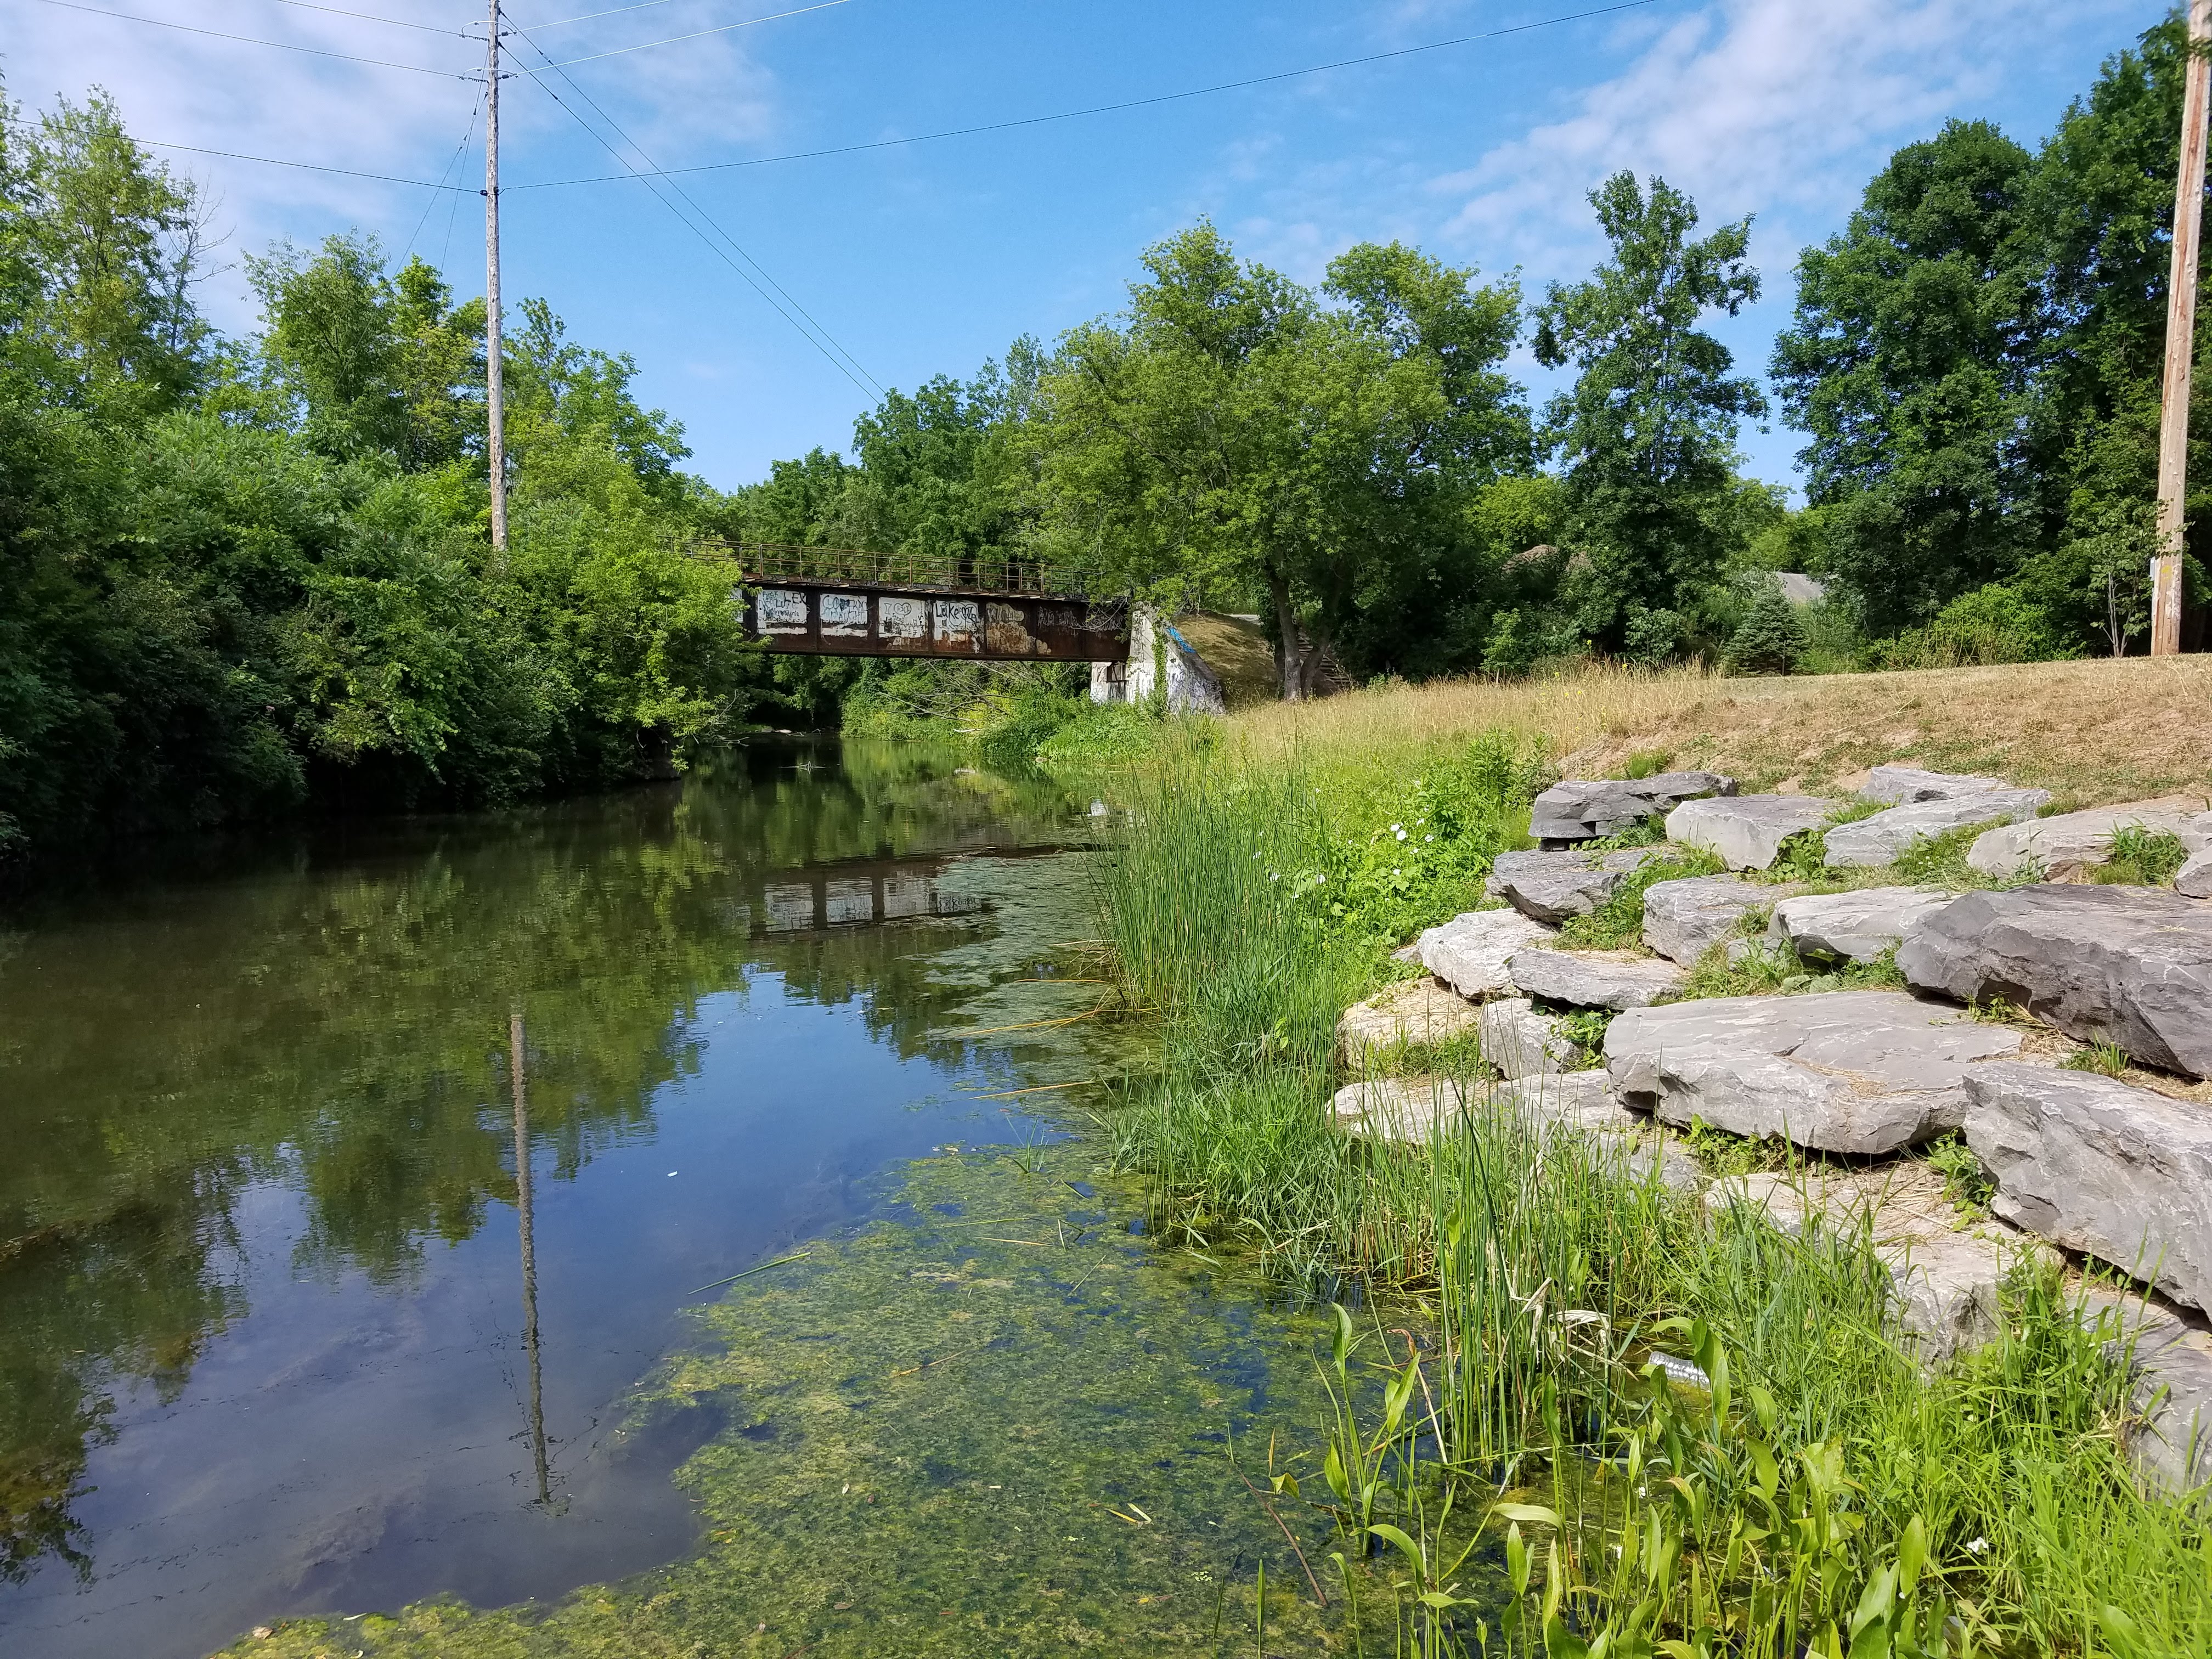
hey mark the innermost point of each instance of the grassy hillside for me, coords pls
(2089, 732)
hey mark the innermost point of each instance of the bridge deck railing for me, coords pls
(957, 572)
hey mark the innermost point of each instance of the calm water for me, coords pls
(262, 1311)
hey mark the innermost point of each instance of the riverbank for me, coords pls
(1830, 1486)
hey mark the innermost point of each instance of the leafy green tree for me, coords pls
(1233, 436)
(99, 248)
(1647, 436)
(1910, 365)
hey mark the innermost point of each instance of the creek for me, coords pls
(267, 1352)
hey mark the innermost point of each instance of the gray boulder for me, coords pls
(1900, 785)
(1412, 1013)
(2061, 847)
(2172, 1447)
(1685, 918)
(1870, 842)
(1746, 831)
(1586, 809)
(1551, 887)
(1411, 1110)
(2194, 880)
(1857, 1071)
(2130, 965)
(2100, 1166)
(1852, 926)
(1595, 979)
(1521, 1042)
(1470, 951)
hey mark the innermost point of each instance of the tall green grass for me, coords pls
(1833, 1496)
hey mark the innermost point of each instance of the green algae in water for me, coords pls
(933, 1422)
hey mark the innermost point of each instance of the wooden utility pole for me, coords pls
(494, 393)
(2180, 338)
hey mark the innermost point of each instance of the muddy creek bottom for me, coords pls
(288, 1343)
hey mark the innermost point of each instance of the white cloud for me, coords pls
(1769, 107)
(227, 94)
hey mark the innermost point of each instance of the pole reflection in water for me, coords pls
(529, 1252)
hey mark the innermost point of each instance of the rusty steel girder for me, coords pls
(865, 620)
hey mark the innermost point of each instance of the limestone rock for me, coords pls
(1414, 1012)
(1857, 1072)
(1870, 842)
(1943, 1281)
(1470, 951)
(1746, 831)
(1898, 785)
(1521, 1042)
(1595, 979)
(2060, 848)
(1585, 809)
(1411, 1109)
(1683, 919)
(1853, 926)
(2172, 1388)
(1550, 887)
(2194, 880)
(2130, 965)
(2100, 1166)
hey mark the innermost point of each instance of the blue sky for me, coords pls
(927, 257)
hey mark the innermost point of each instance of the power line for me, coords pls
(254, 41)
(371, 17)
(831, 351)
(467, 133)
(310, 167)
(641, 5)
(1096, 109)
(696, 34)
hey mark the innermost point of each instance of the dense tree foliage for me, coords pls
(236, 577)
(1975, 358)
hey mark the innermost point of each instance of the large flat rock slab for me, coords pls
(1415, 1014)
(1521, 1042)
(1901, 785)
(1746, 832)
(1685, 918)
(1552, 887)
(2100, 1166)
(1855, 927)
(2130, 965)
(1855, 1072)
(2061, 848)
(1595, 979)
(1587, 809)
(1470, 951)
(1412, 1110)
(1870, 842)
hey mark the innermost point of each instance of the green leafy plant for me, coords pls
(1966, 1183)
(2143, 857)
(2108, 1059)
(1618, 923)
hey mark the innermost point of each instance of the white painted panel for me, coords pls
(958, 620)
(902, 619)
(845, 615)
(781, 611)
(848, 901)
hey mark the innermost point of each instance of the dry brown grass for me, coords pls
(2091, 732)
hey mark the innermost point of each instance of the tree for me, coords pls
(1648, 432)
(1910, 364)
(1231, 435)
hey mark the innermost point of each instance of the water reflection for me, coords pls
(257, 1345)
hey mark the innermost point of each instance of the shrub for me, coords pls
(1993, 625)
(1772, 639)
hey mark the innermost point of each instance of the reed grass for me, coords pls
(1848, 1499)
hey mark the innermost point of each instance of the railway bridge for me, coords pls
(847, 602)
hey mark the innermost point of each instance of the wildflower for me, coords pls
(1399, 831)
(1976, 1546)
(1428, 837)
(1275, 875)
(1397, 872)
